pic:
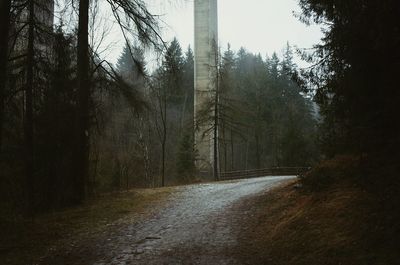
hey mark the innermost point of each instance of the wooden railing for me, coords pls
(275, 171)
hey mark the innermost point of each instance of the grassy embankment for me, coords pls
(340, 213)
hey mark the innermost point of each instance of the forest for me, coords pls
(138, 123)
(74, 126)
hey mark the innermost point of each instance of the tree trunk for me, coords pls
(5, 8)
(225, 147)
(216, 117)
(164, 142)
(163, 161)
(163, 109)
(232, 152)
(257, 139)
(143, 144)
(82, 141)
(183, 116)
(247, 156)
(28, 124)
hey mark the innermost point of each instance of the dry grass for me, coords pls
(24, 241)
(340, 225)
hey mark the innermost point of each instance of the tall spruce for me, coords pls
(355, 74)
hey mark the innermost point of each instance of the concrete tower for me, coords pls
(205, 52)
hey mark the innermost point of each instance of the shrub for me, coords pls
(330, 172)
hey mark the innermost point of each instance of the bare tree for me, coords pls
(160, 114)
(132, 17)
(209, 114)
(216, 110)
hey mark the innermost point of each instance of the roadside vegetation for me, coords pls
(345, 210)
(25, 241)
(131, 125)
(341, 221)
(74, 127)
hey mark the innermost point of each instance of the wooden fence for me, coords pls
(275, 171)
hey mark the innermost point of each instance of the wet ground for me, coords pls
(196, 225)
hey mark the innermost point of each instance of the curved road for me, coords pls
(195, 226)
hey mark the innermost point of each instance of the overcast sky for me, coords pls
(261, 26)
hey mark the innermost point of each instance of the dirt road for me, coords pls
(195, 226)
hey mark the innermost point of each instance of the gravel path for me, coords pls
(195, 226)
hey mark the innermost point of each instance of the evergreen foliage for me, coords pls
(265, 120)
(354, 77)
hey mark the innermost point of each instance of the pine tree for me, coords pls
(131, 64)
(172, 68)
(355, 74)
(186, 157)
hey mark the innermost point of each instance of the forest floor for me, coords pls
(271, 220)
(191, 224)
(336, 215)
(293, 227)
(26, 242)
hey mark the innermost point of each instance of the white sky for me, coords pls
(261, 26)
